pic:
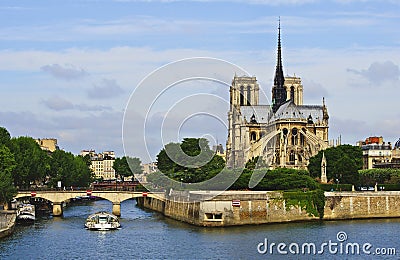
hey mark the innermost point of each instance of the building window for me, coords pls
(292, 157)
(301, 139)
(241, 95)
(253, 136)
(248, 95)
(292, 93)
(294, 136)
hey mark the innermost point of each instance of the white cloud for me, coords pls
(66, 72)
(107, 88)
(379, 72)
(59, 104)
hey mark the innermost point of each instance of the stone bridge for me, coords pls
(58, 197)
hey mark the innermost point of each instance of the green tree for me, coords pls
(121, 168)
(334, 169)
(346, 170)
(82, 175)
(32, 162)
(287, 179)
(257, 161)
(135, 165)
(5, 137)
(190, 161)
(69, 169)
(7, 164)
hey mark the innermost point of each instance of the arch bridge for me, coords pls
(116, 197)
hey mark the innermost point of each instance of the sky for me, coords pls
(71, 69)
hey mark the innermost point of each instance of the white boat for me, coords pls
(102, 221)
(26, 213)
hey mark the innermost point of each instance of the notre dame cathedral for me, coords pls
(285, 134)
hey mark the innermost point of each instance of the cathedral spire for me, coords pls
(279, 77)
(278, 91)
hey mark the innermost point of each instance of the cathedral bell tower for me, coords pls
(244, 91)
(279, 94)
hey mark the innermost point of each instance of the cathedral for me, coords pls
(286, 133)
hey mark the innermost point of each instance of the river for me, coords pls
(149, 235)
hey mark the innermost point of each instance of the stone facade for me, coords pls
(48, 144)
(285, 134)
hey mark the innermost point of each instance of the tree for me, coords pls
(190, 161)
(334, 168)
(127, 167)
(7, 164)
(346, 170)
(82, 175)
(5, 137)
(135, 165)
(69, 169)
(32, 162)
(256, 162)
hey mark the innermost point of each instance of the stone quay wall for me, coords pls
(353, 205)
(7, 222)
(231, 208)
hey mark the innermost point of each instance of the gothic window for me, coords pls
(241, 95)
(248, 95)
(253, 136)
(301, 139)
(299, 158)
(292, 156)
(294, 136)
(292, 93)
(285, 131)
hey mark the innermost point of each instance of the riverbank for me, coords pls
(233, 208)
(7, 222)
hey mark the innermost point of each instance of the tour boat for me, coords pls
(102, 221)
(26, 213)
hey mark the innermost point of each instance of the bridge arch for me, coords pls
(58, 197)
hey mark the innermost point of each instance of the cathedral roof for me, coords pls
(289, 110)
(260, 113)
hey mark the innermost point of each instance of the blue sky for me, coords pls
(67, 68)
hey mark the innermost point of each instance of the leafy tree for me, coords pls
(346, 170)
(369, 177)
(5, 137)
(343, 163)
(7, 164)
(190, 161)
(135, 165)
(277, 179)
(69, 169)
(257, 161)
(32, 162)
(287, 179)
(121, 168)
(82, 175)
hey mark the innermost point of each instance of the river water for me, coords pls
(149, 235)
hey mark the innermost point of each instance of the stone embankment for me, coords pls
(7, 222)
(230, 208)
